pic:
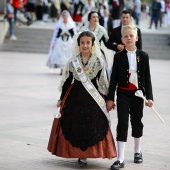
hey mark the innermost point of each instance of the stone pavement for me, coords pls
(28, 96)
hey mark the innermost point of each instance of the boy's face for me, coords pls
(129, 38)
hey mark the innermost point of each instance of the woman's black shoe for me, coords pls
(117, 165)
(82, 163)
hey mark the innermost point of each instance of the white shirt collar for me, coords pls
(132, 60)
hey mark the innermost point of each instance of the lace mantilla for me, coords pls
(92, 68)
(99, 31)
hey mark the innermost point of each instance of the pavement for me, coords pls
(28, 96)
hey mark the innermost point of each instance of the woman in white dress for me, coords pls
(61, 42)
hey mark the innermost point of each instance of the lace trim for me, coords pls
(99, 31)
(94, 66)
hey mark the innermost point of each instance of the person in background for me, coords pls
(155, 12)
(55, 10)
(116, 6)
(137, 11)
(101, 10)
(61, 43)
(31, 8)
(39, 6)
(10, 18)
(106, 21)
(162, 12)
(17, 5)
(100, 32)
(115, 37)
(45, 10)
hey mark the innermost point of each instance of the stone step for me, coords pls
(38, 41)
(42, 51)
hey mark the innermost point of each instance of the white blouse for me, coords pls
(132, 61)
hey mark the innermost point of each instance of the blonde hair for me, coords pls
(130, 27)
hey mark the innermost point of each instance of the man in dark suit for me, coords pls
(106, 21)
(115, 37)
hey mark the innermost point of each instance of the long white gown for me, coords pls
(61, 43)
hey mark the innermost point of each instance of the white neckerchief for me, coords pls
(132, 61)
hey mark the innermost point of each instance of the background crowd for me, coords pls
(29, 11)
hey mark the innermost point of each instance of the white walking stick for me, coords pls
(139, 93)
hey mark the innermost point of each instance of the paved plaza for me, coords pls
(28, 96)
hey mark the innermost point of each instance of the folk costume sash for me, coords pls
(90, 88)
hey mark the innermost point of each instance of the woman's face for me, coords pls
(85, 44)
(94, 18)
(65, 17)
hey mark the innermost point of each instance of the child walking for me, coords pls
(83, 130)
(130, 72)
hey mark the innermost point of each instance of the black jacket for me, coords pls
(109, 24)
(116, 37)
(120, 72)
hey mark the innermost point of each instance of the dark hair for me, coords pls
(126, 12)
(88, 34)
(89, 15)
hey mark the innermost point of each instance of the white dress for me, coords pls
(60, 54)
(61, 43)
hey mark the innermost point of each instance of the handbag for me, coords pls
(10, 15)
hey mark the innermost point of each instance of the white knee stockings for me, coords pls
(137, 142)
(121, 148)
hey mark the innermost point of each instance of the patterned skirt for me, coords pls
(83, 130)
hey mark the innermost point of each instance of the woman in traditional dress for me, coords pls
(61, 42)
(100, 32)
(83, 129)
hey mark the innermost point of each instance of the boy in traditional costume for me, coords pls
(130, 72)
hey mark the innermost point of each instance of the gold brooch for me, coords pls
(85, 68)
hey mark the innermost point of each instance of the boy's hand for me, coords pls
(110, 105)
(149, 103)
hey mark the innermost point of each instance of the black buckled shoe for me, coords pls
(82, 163)
(138, 158)
(117, 165)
